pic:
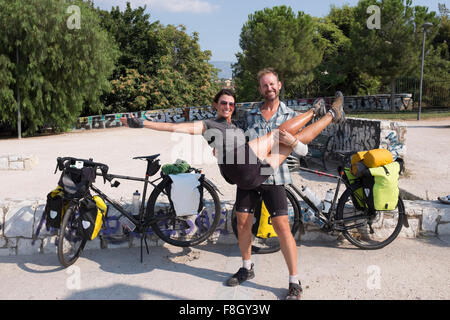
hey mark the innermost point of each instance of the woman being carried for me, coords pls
(248, 164)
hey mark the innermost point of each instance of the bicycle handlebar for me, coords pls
(65, 162)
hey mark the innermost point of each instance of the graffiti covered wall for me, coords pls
(354, 135)
(355, 103)
(379, 102)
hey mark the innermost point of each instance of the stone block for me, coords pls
(19, 219)
(226, 238)
(93, 244)
(30, 162)
(122, 244)
(43, 232)
(16, 165)
(412, 209)
(444, 215)
(28, 246)
(135, 242)
(14, 158)
(4, 163)
(7, 252)
(318, 236)
(49, 245)
(412, 231)
(429, 219)
(443, 229)
(11, 243)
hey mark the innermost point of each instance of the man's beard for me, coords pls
(269, 98)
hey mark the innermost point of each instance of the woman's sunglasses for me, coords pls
(224, 103)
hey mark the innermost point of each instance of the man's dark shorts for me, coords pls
(274, 197)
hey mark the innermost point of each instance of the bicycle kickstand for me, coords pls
(144, 239)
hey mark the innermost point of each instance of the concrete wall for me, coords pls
(20, 219)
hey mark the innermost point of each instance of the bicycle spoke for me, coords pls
(185, 230)
(369, 231)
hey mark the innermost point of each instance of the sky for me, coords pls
(219, 22)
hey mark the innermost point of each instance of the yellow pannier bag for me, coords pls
(265, 228)
(377, 158)
(359, 156)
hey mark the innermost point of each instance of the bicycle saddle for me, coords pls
(148, 158)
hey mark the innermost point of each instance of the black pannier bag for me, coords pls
(55, 208)
(93, 211)
(75, 182)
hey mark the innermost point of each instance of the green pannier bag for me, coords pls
(358, 196)
(383, 186)
(380, 189)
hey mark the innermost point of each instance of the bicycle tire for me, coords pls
(271, 245)
(386, 225)
(183, 231)
(70, 243)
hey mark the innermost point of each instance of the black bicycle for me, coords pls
(351, 215)
(158, 213)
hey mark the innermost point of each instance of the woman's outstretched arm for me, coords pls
(196, 127)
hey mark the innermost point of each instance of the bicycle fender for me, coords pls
(213, 185)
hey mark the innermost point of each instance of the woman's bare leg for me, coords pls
(263, 146)
(277, 157)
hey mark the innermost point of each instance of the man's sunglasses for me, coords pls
(224, 103)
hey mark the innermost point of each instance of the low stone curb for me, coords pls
(19, 221)
(18, 162)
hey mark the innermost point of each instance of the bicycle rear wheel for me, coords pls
(270, 245)
(70, 243)
(369, 231)
(188, 230)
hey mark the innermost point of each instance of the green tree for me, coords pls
(181, 72)
(61, 65)
(393, 50)
(163, 64)
(277, 37)
(133, 32)
(338, 70)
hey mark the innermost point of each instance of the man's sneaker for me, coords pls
(242, 275)
(319, 108)
(295, 291)
(337, 108)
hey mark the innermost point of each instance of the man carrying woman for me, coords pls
(251, 153)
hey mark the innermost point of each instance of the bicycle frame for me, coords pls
(327, 220)
(137, 222)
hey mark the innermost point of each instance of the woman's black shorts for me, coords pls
(244, 169)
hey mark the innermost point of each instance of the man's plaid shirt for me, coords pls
(256, 126)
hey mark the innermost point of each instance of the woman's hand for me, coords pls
(132, 122)
(286, 138)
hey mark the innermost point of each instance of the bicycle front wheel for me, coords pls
(369, 231)
(270, 245)
(70, 243)
(183, 231)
